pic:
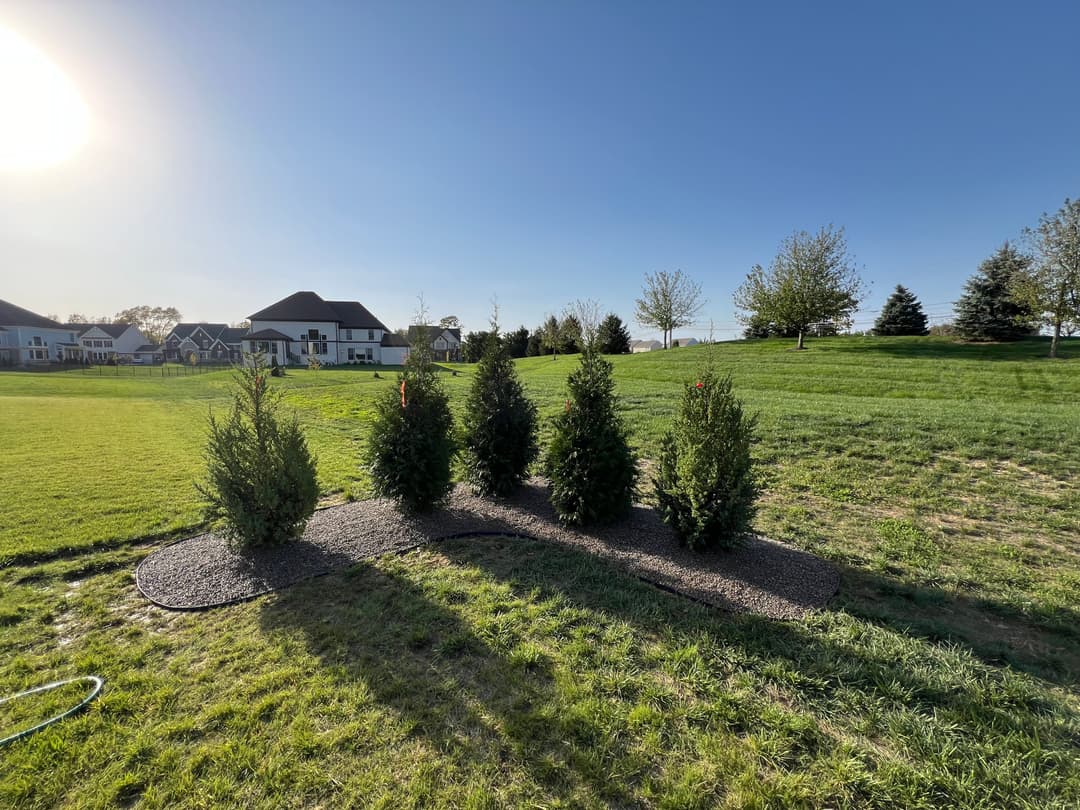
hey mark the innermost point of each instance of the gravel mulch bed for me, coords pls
(763, 577)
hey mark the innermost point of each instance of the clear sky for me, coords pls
(534, 151)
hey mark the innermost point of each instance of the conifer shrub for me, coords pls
(499, 426)
(705, 483)
(411, 443)
(592, 470)
(261, 486)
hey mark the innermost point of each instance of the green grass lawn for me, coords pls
(940, 477)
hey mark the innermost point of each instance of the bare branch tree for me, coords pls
(588, 316)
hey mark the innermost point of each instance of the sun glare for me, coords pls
(43, 120)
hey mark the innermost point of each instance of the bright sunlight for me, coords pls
(43, 120)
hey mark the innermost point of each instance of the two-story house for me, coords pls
(32, 339)
(305, 325)
(445, 343)
(107, 342)
(208, 342)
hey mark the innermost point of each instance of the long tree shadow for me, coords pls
(477, 696)
(483, 687)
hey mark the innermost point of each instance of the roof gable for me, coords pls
(354, 315)
(11, 315)
(300, 306)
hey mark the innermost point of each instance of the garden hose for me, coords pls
(94, 679)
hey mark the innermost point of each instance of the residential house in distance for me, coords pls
(445, 343)
(683, 341)
(31, 339)
(208, 342)
(304, 325)
(639, 346)
(106, 342)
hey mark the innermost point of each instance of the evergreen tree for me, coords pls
(261, 486)
(499, 425)
(987, 310)
(570, 336)
(474, 346)
(592, 469)
(705, 483)
(901, 315)
(612, 336)
(535, 347)
(517, 342)
(411, 443)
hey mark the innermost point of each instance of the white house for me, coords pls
(102, 342)
(31, 339)
(445, 343)
(208, 342)
(336, 332)
(677, 342)
(638, 346)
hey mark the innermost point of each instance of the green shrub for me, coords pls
(261, 486)
(592, 469)
(411, 444)
(705, 484)
(499, 430)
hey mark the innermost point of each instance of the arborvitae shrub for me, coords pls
(705, 484)
(411, 443)
(592, 470)
(261, 486)
(499, 431)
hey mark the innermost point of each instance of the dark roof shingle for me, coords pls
(11, 315)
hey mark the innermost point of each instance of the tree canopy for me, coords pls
(902, 315)
(612, 336)
(668, 301)
(154, 322)
(1050, 288)
(812, 279)
(988, 308)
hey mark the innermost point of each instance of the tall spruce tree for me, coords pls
(612, 336)
(592, 469)
(988, 310)
(499, 425)
(901, 315)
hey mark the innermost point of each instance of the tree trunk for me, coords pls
(800, 345)
(1054, 340)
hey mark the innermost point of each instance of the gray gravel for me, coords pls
(763, 577)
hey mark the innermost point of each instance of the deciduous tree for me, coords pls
(812, 279)
(668, 301)
(154, 322)
(1051, 286)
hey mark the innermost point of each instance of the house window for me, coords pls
(348, 336)
(312, 334)
(352, 353)
(108, 344)
(370, 355)
(370, 334)
(36, 342)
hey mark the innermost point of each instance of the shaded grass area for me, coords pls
(492, 672)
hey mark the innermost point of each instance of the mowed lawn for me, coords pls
(941, 478)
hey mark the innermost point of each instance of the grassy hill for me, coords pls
(940, 477)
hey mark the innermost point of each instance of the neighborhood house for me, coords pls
(27, 338)
(303, 326)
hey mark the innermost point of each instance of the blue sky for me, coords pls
(537, 152)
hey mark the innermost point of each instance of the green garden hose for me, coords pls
(94, 679)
